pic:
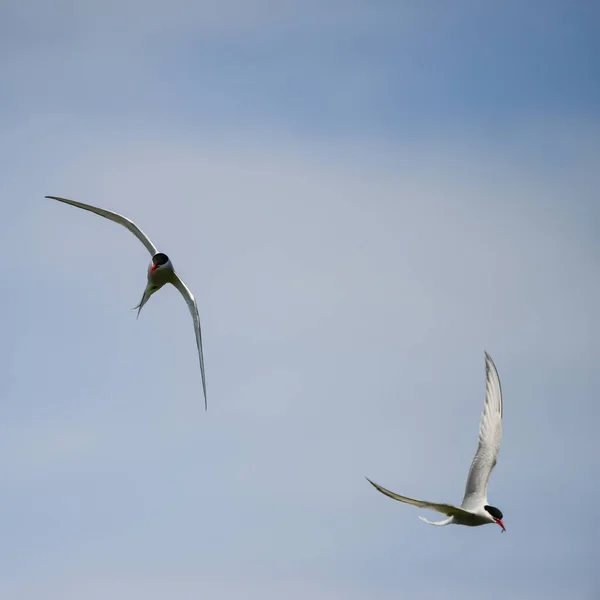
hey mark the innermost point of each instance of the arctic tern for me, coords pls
(160, 272)
(474, 509)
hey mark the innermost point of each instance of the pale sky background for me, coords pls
(364, 196)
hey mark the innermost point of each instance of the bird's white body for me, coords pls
(474, 510)
(160, 272)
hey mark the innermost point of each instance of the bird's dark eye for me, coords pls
(160, 259)
(495, 512)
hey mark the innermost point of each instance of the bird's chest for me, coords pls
(158, 278)
(470, 520)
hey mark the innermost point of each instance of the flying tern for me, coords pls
(160, 272)
(474, 509)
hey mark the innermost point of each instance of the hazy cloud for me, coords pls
(348, 284)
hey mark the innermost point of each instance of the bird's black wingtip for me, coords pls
(490, 361)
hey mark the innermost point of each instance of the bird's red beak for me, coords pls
(499, 521)
(153, 268)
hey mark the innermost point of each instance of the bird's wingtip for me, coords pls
(489, 361)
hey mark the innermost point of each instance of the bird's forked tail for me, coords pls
(438, 523)
(145, 298)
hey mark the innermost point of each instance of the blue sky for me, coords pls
(363, 197)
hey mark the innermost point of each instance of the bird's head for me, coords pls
(160, 262)
(496, 515)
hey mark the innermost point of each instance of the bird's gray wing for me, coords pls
(112, 216)
(191, 302)
(490, 434)
(445, 509)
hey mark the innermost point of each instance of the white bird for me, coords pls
(474, 509)
(160, 272)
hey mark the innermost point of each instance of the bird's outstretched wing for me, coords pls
(112, 216)
(191, 302)
(490, 434)
(445, 509)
